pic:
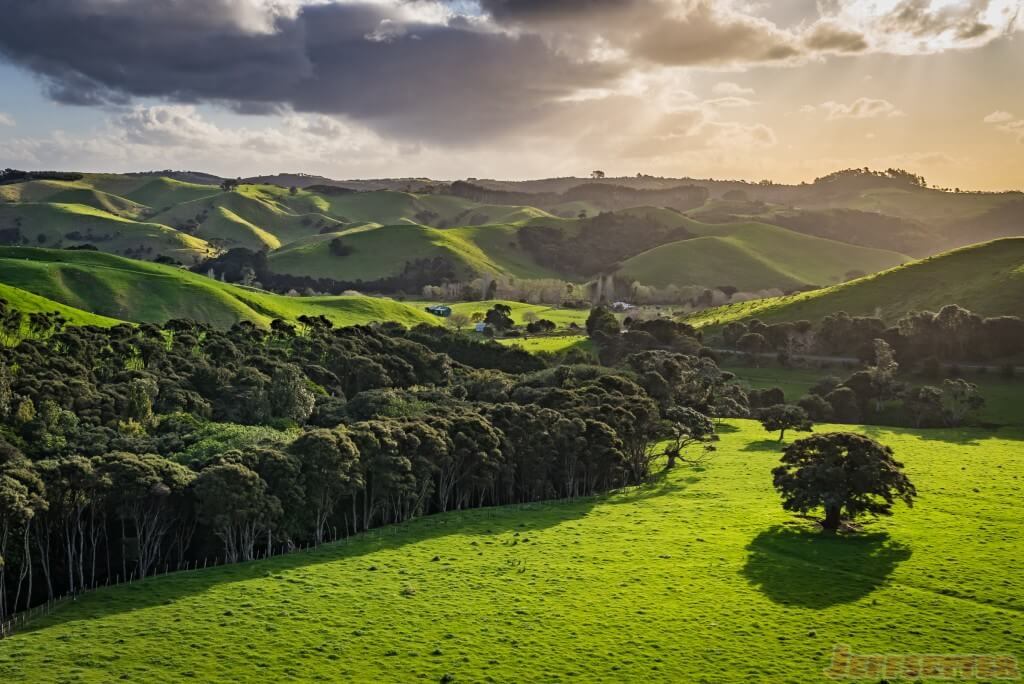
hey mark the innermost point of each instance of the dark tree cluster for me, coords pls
(610, 238)
(873, 394)
(8, 176)
(129, 449)
(614, 343)
(234, 264)
(953, 334)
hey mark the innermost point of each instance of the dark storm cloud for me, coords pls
(534, 10)
(664, 32)
(415, 79)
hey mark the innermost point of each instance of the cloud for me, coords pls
(6, 119)
(182, 134)
(407, 69)
(1006, 122)
(729, 102)
(730, 88)
(923, 26)
(861, 108)
(998, 117)
(451, 72)
(831, 36)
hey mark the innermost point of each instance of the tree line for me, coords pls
(920, 338)
(128, 449)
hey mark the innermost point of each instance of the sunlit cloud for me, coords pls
(1006, 122)
(861, 108)
(998, 117)
(730, 88)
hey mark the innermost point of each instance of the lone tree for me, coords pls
(841, 472)
(784, 417)
(499, 317)
(685, 427)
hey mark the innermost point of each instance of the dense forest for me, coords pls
(922, 338)
(128, 450)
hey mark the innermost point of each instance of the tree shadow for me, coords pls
(796, 566)
(765, 445)
(964, 436)
(658, 484)
(485, 524)
(725, 428)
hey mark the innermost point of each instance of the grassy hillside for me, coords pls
(700, 576)
(987, 278)
(148, 216)
(152, 293)
(753, 256)
(923, 204)
(157, 193)
(380, 252)
(52, 224)
(104, 201)
(25, 301)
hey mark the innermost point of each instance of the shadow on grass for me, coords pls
(661, 483)
(816, 570)
(965, 436)
(481, 523)
(766, 445)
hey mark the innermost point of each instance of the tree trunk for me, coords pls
(782, 434)
(831, 521)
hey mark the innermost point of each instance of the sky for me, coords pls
(786, 90)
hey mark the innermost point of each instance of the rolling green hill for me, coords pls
(27, 302)
(381, 252)
(145, 292)
(147, 216)
(697, 576)
(54, 224)
(987, 278)
(753, 256)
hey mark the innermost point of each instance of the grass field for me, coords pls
(753, 256)
(1002, 396)
(987, 278)
(549, 345)
(698, 577)
(145, 292)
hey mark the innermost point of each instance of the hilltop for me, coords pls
(987, 279)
